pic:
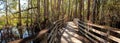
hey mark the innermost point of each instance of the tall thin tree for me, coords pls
(20, 19)
(88, 10)
(19, 16)
(80, 9)
(6, 13)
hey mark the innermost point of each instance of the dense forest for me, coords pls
(42, 13)
(24, 12)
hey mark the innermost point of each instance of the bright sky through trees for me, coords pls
(2, 6)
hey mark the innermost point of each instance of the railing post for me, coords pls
(107, 36)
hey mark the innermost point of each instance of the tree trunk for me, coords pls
(6, 13)
(75, 13)
(80, 9)
(88, 11)
(69, 14)
(19, 17)
(31, 16)
(45, 9)
(94, 13)
(20, 21)
(58, 8)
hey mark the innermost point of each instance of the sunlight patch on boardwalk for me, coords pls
(69, 36)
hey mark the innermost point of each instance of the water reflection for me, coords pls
(14, 31)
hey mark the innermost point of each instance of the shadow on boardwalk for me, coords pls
(71, 35)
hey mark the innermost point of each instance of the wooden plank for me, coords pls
(51, 32)
(114, 38)
(98, 32)
(104, 34)
(116, 31)
(100, 39)
(99, 26)
(103, 27)
(88, 36)
(91, 39)
(53, 36)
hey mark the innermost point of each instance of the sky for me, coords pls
(2, 6)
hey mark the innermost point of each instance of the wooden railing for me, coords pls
(98, 33)
(54, 35)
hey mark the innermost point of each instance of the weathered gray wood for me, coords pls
(88, 36)
(100, 32)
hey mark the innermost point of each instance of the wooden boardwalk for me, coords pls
(81, 33)
(70, 34)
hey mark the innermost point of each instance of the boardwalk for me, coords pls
(70, 34)
(73, 33)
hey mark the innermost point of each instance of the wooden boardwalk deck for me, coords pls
(70, 35)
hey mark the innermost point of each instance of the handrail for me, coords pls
(102, 40)
(99, 26)
(52, 36)
(103, 27)
(86, 29)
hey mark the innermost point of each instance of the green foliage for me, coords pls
(104, 10)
